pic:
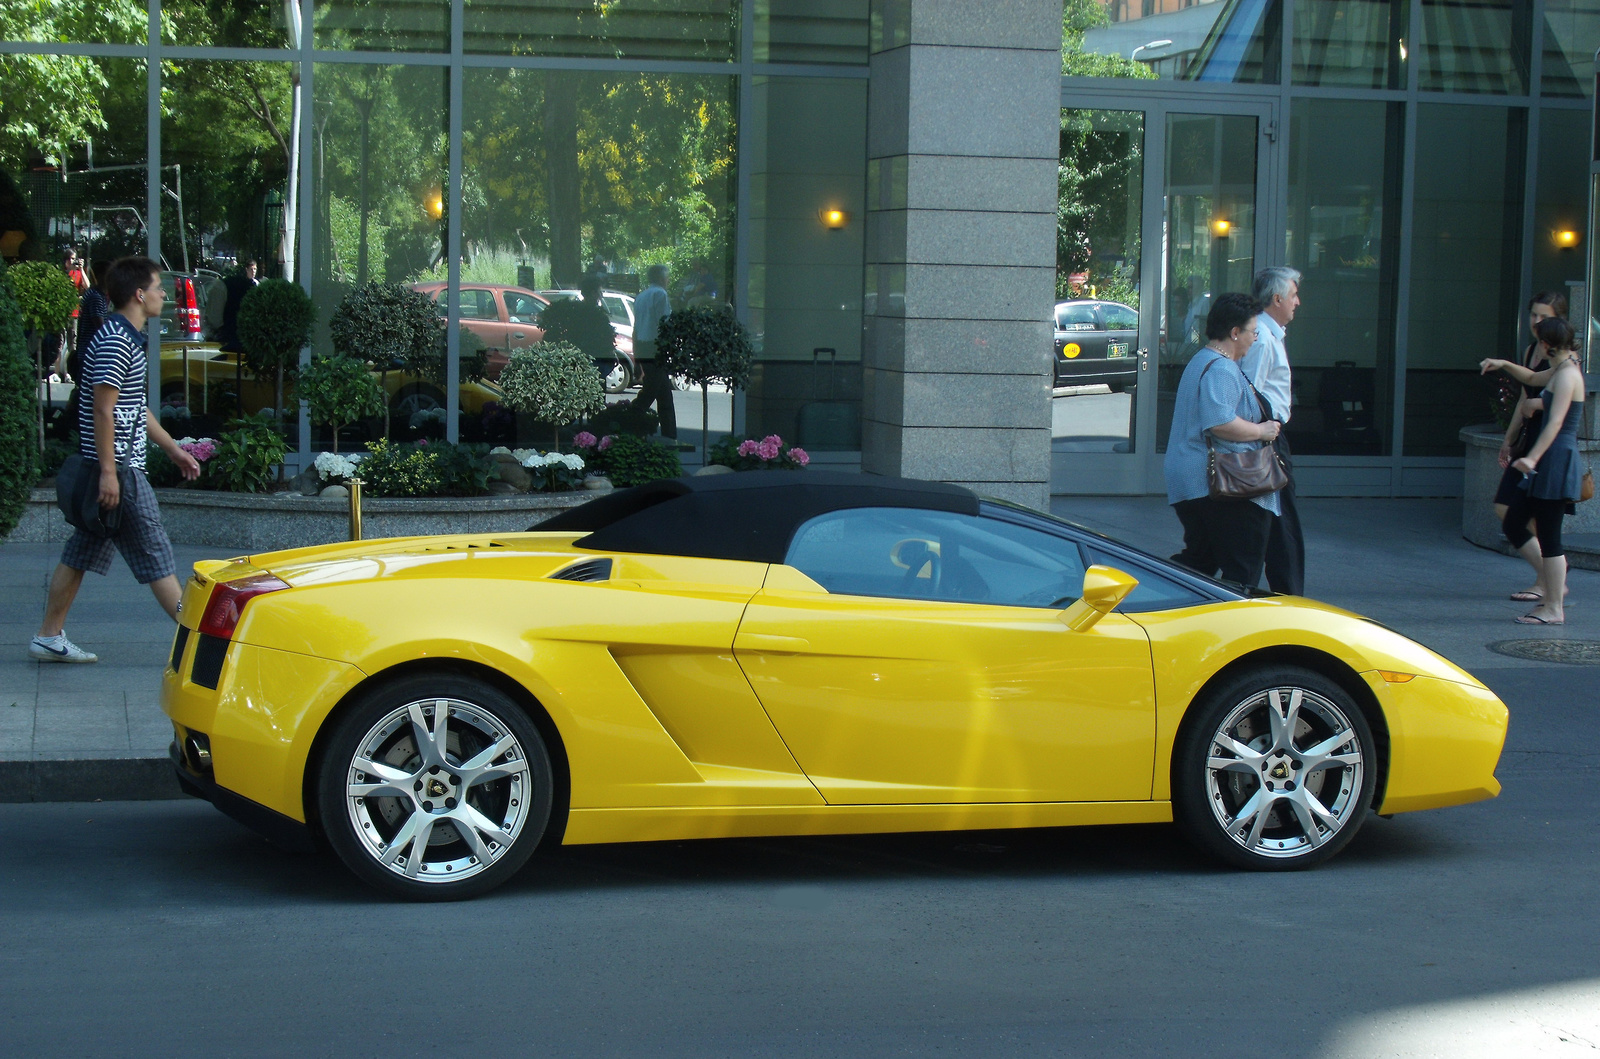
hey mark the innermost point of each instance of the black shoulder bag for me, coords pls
(78, 494)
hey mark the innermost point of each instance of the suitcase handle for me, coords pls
(833, 362)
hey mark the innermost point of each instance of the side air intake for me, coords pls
(588, 570)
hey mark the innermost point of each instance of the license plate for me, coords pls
(1116, 349)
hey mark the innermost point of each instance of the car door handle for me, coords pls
(518, 334)
(762, 641)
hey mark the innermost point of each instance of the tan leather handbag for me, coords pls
(1244, 475)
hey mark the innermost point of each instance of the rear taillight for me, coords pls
(228, 599)
(188, 309)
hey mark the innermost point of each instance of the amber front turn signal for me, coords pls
(1396, 678)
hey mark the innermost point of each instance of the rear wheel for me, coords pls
(1275, 772)
(436, 787)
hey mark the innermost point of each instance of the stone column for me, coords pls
(963, 134)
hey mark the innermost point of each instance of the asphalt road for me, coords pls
(164, 928)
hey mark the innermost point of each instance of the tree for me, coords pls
(1077, 17)
(553, 382)
(339, 391)
(275, 319)
(387, 325)
(46, 299)
(706, 344)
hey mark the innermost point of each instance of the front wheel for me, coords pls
(1275, 772)
(436, 787)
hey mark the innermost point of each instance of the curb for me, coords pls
(88, 780)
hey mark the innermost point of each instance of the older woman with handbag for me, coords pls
(1222, 473)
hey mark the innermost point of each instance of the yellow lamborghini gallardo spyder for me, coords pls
(792, 654)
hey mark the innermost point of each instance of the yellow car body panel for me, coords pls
(938, 702)
(704, 697)
(1192, 645)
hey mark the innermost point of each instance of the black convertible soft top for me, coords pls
(752, 515)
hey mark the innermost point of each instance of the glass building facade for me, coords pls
(1418, 160)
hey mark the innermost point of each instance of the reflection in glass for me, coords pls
(1571, 37)
(811, 31)
(807, 156)
(570, 174)
(1244, 46)
(705, 30)
(1096, 320)
(229, 23)
(1560, 203)
(1210, 222)
(1343, 237)
(1475, 45)
(380, 211)
(1355, 43)
(382, 25)
(78, 21)
(1466, 237)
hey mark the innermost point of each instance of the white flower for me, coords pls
(335, 465)
(499, 450)
(535, 460)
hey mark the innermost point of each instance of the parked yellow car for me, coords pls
(209, 368)
(792, 654)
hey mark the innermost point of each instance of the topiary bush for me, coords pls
(388, 324)
(706, 344)
(553, 382)
(17, 415)
(275, 321)
(339, 391)
(46, 299)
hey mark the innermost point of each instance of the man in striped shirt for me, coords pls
(112, 429)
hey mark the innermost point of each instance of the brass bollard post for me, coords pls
(355, 509)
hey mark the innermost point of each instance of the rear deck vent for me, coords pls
(588, 570)
(470, 546)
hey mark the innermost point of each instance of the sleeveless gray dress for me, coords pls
(1559, 475)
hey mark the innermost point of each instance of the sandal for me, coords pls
(1534, 619)
(1527, 595)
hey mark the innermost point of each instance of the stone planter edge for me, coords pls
(272, 521)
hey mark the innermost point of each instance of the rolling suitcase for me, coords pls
(832, 424)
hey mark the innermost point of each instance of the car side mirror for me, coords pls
(1103, 588)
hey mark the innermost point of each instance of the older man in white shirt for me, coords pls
(1267, 365)
(649, 309)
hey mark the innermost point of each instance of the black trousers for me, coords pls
(1229, 536)
(1286, 544)
(1546, 515)
(656, 389)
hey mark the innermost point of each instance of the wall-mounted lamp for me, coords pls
(434, 204)
(833, 218)
(1152, 46)
(1565, 238)
(1221, 228)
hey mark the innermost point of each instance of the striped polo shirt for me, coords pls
(117, 357)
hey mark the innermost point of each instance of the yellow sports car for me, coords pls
(788, 654)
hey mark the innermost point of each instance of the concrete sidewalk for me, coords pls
(82, 732)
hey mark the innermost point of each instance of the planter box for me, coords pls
(270, 521)
(1580, 532)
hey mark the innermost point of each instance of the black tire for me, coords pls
(376, 833)
(1259, 811)
(415, 397)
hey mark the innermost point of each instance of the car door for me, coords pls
(1121, 324)
(522, 316)
(911, 656)
(480, 314)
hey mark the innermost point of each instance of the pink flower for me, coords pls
(584, 440)
(770, 447)
(798, 455)
(201, 450)
(605, 443)
(747, 448)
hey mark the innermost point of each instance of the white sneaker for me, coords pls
(59, 649)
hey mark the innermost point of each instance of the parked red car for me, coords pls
(503, 317)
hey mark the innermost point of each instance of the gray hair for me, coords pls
(656, 274)
(1274, 282)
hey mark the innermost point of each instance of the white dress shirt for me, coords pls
(1267, 365)
(649, 309)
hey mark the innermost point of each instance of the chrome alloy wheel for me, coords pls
(1284, 772)
(438, 790)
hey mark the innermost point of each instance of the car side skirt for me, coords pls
(585, 826)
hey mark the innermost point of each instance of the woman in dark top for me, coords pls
(1527, 418)
(1552, 471)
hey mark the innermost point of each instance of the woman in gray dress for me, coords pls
(1552, 470)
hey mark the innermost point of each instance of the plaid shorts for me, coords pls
(142, 541)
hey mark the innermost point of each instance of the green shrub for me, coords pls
(758, 454)
(631, 460)
(706, 344)
(386, 324)
(400, 470)
(339, 391)
(18, 447)
(45, 295)
(275, 321)
(466, 468)
(247, 455)
(553, 382)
